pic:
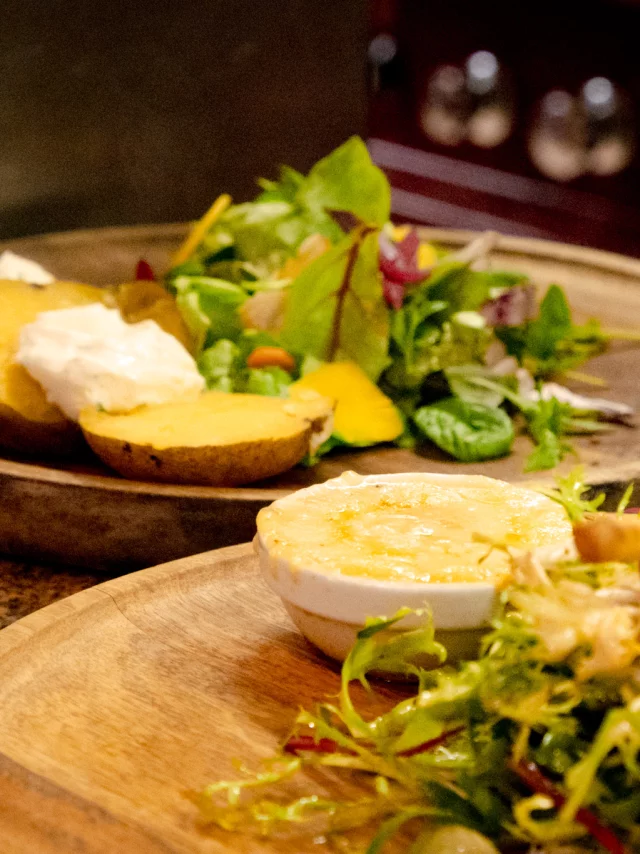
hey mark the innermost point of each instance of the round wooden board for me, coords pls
(117, 701)
(83, 514)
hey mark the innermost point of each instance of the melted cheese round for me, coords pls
(421, 528)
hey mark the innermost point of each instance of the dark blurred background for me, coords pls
(131, 111)
(516, 116)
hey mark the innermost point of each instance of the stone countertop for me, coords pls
(25, 587)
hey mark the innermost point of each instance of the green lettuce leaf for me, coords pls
(270, 229)
(249, 244)
(209, 307)
(224, 367)
(435, 347)
(552, 325)
(271, 382)
(571, 492)
(344, 180)
(218, 365)
(517, 745)
(548, 422)
(377, 648)
(439, 326)
(283, 190)
(335, 307)
(466, 382)
(262, 233)
(459, 287)
(347, 180)
(551, 343)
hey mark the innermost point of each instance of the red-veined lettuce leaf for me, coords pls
(335, 307)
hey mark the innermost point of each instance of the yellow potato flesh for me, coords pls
(21, 393)
(27, 421)
(21, 303)
(217, 439)
(214, 418)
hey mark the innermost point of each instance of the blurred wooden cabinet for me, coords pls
(137, 111)
(546, 52)
(133, 112)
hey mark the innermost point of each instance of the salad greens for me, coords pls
(314, 266)
(549, 421)
(551, 343)
(335, 310)
(224, 366)
(468, 431)
(534, 745)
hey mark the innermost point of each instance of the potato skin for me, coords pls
(37, 438)
(223, 465)
(28, 423)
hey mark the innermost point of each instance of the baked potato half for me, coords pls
(28, 422)
(216, 439)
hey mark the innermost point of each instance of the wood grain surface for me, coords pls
(82, 514)
(116, 702)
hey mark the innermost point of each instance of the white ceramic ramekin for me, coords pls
(329, 607)
(329, 610)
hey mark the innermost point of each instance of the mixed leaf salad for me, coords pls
(313, 272)
(534, 747)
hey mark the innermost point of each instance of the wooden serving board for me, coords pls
(117, 701)
(83, 514)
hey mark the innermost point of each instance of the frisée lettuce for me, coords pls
(533, 746)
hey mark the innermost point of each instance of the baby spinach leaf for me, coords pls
(470, 432)
(547, 422)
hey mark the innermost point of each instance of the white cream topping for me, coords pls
(89, 356)
(21, 269)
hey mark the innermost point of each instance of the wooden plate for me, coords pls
(118, 700)
(84, 514)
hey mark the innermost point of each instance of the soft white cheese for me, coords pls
(89, 356)
(423, 528)
(16, 267)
